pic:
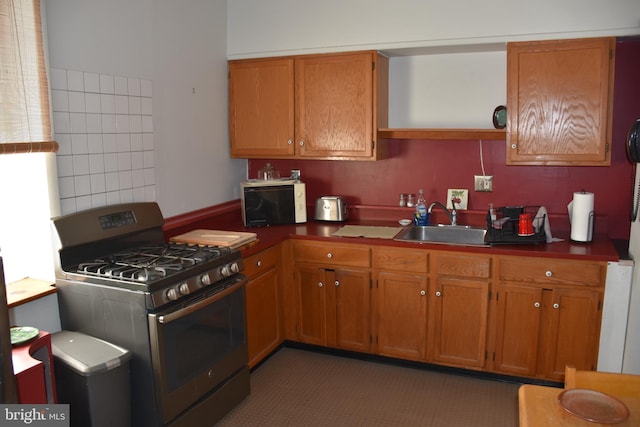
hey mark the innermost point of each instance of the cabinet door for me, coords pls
(559, 97)
(350, 313)
(334, 105)
(570, 331)
(518, 317)
(459, 315)
(402, 316)
(312, 305)
(263, 316)
(261, 110)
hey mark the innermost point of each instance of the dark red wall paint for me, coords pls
(436, 165)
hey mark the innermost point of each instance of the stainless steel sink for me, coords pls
(446, 234)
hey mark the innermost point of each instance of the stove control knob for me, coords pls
(184, 289)
(234, 267)
(225, 270)
(205, 279)
(172, 294)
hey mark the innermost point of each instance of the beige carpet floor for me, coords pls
(304, 388)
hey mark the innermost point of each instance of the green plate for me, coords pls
(23, 334)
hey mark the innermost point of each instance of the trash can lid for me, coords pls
(85, 354)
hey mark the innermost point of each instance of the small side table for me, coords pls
(33, 369)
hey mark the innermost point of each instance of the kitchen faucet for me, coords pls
(453, 214)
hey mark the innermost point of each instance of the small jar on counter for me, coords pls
(410, 201)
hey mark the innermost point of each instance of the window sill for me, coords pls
(26, 290)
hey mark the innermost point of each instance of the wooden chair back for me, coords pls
(606, 382)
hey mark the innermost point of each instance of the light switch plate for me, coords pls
(483, 183)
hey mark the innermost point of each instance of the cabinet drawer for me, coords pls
(463, 265)
(261, 262)
(333, 253)
(551, 271)
(402, 260)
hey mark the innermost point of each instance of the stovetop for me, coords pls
(149, 264)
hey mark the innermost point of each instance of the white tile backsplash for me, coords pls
(81, 164)
(79, 143)
(78, 122)
(92, 82)
(60, 100)
(122, 85)
(76, 102)
(94, 123)
(107, 104)
(75, 80)
(92, 103)
(106, 84)
(104, 128)
(134, 87)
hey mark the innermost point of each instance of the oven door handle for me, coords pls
(168, 318)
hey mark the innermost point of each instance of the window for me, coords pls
(25, 124)
(28, 185)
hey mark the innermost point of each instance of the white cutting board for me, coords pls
(233, 239)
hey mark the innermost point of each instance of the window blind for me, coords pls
(25, 120)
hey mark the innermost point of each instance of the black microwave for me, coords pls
(273, 202)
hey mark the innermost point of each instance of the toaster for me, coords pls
(331, 208)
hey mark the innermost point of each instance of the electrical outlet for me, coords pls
(483, 183)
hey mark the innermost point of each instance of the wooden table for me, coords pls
(539, 407)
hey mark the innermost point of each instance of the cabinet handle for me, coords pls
(259, 263)
(329, 255)
(438, 293)
(320, 284)
(536, 304)
(514, 146)
(290, 141)
(423, 292)
(301, 142)
(548, 273)
(556, 305)
(337, 283)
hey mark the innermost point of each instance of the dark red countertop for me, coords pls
(600, 249)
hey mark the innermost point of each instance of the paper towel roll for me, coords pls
(581, 216)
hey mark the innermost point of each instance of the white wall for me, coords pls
(181, 48)
(461, 79)
(276, 27)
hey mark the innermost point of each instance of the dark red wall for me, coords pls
(436, 165)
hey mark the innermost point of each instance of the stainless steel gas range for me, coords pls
(179, 308)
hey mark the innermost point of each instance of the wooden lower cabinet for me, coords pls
(334, 307)
(332, 290)
(541, 327)
(402, 286)
(518, 313)
(513, 315)
(460, 307)
(264, 306)
(402, 315)
(459, 319)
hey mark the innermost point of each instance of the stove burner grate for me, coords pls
(149, 263)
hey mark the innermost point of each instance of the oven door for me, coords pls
(197, 347)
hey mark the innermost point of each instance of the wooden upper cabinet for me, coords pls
(560, 101)
(261, 108)
(325, 106)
